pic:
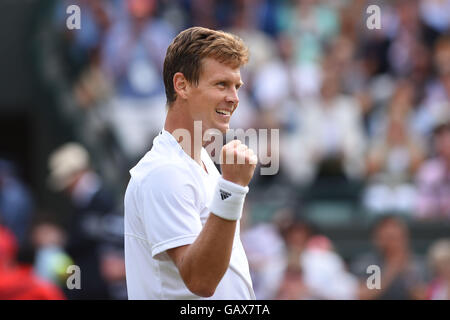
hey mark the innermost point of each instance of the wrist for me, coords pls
(240, 183)
(228, 199)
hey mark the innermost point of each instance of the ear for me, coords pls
(181, 85)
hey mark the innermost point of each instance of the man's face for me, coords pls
(215, 98)
(391, 236)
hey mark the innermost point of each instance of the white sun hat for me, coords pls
(64, 163)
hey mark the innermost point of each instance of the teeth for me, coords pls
(224, 112)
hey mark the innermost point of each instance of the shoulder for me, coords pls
(164, 168)
(162, 160)
(164, 175)
(168, 183)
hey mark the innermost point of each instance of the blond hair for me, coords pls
(189, 47)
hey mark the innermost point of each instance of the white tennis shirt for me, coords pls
(165, 207)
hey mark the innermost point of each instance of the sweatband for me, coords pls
(228, 200)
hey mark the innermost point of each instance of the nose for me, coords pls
(232, 96)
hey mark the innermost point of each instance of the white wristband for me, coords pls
(228, 200)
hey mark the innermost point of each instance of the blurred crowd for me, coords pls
(364, 122)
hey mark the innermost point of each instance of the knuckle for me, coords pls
(236, 142)
(242, 147)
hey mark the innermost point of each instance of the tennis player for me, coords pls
(181, 215)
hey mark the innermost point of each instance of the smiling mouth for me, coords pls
(223, 112)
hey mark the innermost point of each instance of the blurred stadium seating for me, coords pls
(364, 115)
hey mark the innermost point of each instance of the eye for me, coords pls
(221, 84)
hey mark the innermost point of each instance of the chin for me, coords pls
(223, 128)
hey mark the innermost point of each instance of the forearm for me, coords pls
(203, 263)
(206, 260)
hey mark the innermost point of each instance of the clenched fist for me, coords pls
(238, 163)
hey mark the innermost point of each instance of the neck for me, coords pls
(180, 124)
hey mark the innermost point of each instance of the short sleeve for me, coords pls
(170, 211)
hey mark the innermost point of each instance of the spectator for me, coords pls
(244, 23)
(280, 82)
(402, 272)
(292, 286)
(18, 281)
(82, 44)
(296, 234)
(393, 159)
(439, 260)
(267, 258)
(51, 260)
(406, 36)
(330, 139)
(324, 272)
(391, 164)
(16, 203)
(92, 86)
(132, 56)
(436, 99)
(310, 23)
(95, 229)
(433, 179)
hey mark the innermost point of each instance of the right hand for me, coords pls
(238, 163)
